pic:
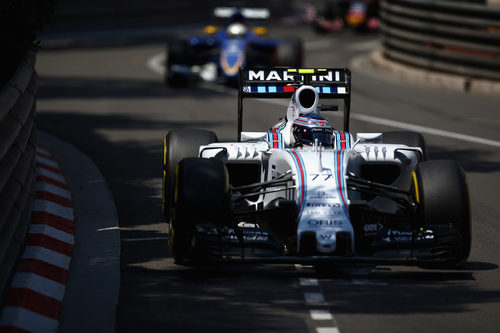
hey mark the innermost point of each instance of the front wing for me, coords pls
(420, 246)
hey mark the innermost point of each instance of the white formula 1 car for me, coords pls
(305, 192)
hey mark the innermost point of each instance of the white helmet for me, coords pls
(236, 29)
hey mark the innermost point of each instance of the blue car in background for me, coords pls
(217, 55)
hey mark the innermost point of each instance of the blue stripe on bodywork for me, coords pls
(299, 165)
(341, 188)
(280, 135)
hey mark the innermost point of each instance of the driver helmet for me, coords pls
(308, 128)
(236, 29)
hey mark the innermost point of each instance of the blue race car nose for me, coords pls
(232, 56)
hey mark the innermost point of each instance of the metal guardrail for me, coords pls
(17, 164)
(455, 37)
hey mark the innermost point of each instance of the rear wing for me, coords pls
(248, 13)
(332, 83)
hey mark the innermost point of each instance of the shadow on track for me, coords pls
(63, 87)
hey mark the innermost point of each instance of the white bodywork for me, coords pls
(319, 178)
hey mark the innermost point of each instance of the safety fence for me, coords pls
(17, 164)
(450, 36)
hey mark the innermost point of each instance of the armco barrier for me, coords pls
(17, 164)
(450, 36)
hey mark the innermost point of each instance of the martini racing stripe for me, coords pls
(342, 140)
(275, 137)
(309, 121)
(339, 167)
(265, 89)
(331, 90)
(301, 177)
(269, 89)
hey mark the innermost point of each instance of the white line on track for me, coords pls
(327, 330)
(423, 129)
(109, 228)
(362, 282)
(316, 303)
(308, 282)
(314, 298)
(156, 63)
(321, 314)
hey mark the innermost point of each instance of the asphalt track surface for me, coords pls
(111, 105)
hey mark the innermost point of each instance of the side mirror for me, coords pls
(210, 29)
(260, 31)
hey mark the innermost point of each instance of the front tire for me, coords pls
(177, 145)
(444, 199)
(201, 196)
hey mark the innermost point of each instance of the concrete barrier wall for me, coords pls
(17, 164)
(450, 36)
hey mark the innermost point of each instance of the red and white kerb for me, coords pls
(34, 300)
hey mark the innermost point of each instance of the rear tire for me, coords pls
(201, 196)
(410, 139)
(177, 145)
(444, 198)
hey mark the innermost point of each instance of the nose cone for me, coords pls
(232, 56)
